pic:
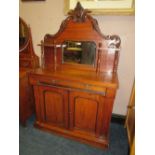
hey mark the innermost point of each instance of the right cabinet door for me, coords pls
(86, 113)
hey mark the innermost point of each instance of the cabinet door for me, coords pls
(86, 113)
(54, 106)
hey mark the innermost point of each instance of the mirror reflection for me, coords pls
(79, 52)
(23, 33)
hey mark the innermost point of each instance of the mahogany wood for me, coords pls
(27, 56)
(76, 100)
(26, 100)
(80, 26)
(54, 107)
(27, 62)
(85, 112)
(87, 108)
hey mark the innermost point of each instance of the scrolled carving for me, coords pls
(114, 41)
(79, 13)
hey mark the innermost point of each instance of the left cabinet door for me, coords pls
(53, 106)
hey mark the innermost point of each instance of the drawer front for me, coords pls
(71, 85)
(84, 86)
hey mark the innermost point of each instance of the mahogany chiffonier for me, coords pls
(76, 84)
(27, 62)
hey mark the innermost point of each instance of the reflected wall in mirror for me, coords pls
(23, 34)
(79, 52)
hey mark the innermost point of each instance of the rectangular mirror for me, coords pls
(79, 52)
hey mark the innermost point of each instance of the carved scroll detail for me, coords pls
(79, 13)
(114, 41)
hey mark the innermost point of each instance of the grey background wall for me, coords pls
(46, 17)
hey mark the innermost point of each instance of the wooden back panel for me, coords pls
(80, 26)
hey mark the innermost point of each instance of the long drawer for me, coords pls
(68, 84)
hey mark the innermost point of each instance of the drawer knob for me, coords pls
(87, 86)
(54, 81)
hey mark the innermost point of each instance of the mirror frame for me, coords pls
(23, 47)
(76, 41)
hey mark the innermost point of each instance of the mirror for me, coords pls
(23, 35)
(79, 52)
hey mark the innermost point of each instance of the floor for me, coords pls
(33, 141)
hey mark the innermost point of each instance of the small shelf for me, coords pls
(51, 45)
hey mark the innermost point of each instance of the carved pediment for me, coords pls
(79, 13)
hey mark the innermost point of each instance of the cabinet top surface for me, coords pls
(101, 79)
